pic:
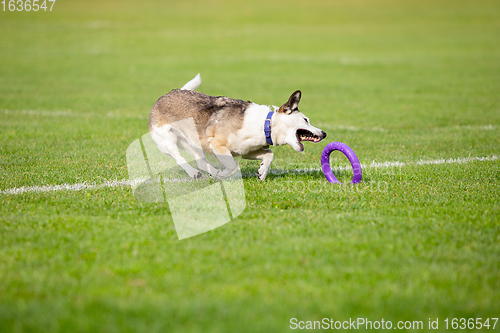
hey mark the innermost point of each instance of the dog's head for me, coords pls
(292, 126)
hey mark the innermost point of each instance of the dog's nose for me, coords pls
(324, 134)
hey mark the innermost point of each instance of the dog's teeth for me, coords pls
(308, 137)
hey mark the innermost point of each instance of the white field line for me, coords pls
(126, 182)
(327, 126)
(69, 187)
(375, 165)
(478, 127)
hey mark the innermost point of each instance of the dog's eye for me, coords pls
(307, 120)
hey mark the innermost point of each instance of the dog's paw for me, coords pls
(196, 175)
(262, 175)
(222, 174)
(262, 172)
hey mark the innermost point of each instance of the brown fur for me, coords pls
(214, 116)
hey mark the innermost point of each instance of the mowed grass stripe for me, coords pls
(412, 81)
(128, 182)
(328, 126)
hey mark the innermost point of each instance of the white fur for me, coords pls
(287, 126)
(169, 138)
(250, 137)
(193, 84)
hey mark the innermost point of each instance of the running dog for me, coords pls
(226, 127)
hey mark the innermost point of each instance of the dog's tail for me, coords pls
(193, 84)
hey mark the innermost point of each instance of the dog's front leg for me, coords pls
(266, 156)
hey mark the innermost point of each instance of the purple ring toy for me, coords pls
(353, 159)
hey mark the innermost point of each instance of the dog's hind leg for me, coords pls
(266, 156)
(167, 144)
(201, 159)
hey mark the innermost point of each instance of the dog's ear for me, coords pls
(294, 100)
(292, 104)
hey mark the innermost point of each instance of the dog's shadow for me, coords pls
(344, 176)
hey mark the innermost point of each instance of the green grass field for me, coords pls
(398, 81)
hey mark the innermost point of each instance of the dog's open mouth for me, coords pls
(305, 135)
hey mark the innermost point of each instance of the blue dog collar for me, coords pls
(267, 128)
